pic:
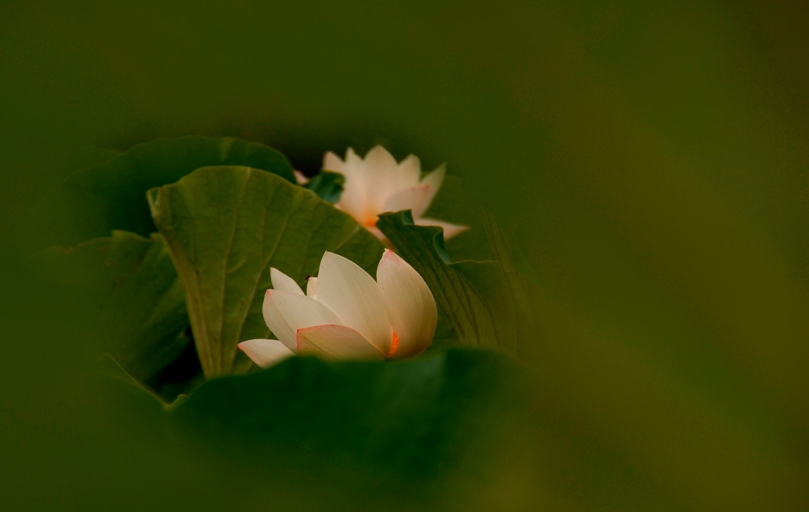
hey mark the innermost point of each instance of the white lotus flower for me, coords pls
(377, 184)
(345, 314)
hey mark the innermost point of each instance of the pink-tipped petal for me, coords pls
(265, 353)
(434, 180)
(409, 199)
(409, 304)
(286, 312)
(355, 297)
(284, 283)
(450, 230)
(409, 172)
(311, 287)
(336, 342)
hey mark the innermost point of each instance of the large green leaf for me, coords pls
(469, 428)
(111, 195)
(225, 227)
(484, 300)
(380, 421)
(348, 431)
(142, 316)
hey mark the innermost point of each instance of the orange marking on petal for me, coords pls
(394, 344)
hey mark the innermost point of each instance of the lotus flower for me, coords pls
(377, 184)
(345, 314)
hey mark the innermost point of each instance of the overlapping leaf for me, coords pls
(225, 227)
(327, 185)
(110, 195)
(142, 316)
(373, 424)
(484, 300)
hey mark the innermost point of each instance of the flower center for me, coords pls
(370, 221)
(394, 344)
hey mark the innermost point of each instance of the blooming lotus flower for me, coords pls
(345, 314)
(377, 184)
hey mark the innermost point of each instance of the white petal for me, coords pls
(284, 283)
(332, 162)
(286, 312)
(336, 342)
(301, 178)
(377, 233)
(380, 178)
(408, 199)
(450, 230)
(352, 200)
(352, 166)
(353, 162)
(355, 297)
(409, 172)
(265, 353)
(434, 180)
(311, 287)
(409, 304)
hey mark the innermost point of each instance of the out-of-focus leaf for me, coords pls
(142, 307)
(382, 421)
(402, 435)
(445, 336)
(111, 195)
(224, 228)
(121, 387)
(454, 204)
(484, 300)
(327, 185)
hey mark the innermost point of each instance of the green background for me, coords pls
(650, 158)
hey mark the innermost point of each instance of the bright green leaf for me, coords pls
(142, 316)
(484, 300)
(111, 195)
(225, 227)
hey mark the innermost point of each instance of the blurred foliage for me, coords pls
(651, 159)
(373, 425)
(143, 318)
(110, 195)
